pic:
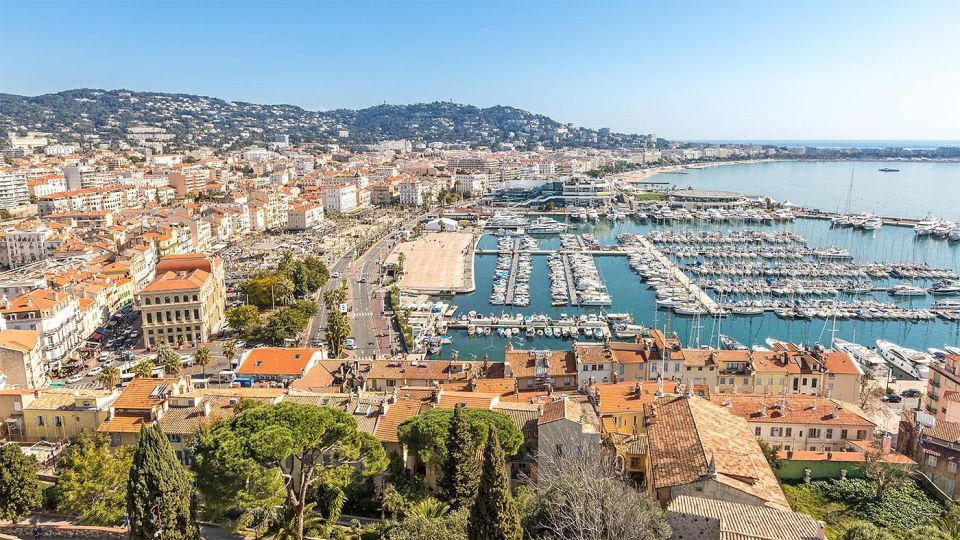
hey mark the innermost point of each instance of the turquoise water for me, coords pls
(889, 244)
(918, 190)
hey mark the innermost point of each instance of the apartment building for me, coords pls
(21, 358)
(800, 422)
(412, 193)
(110, 199)
(26, 243)
(594, 364)
(188, 178)
(541, 369)
(60, 414)
(934, 443)
(184, 302)
(143, 402)
(55, 315)
(304, 216)
(13, 188)
(340, 198)
(472, 185)
(943, 386)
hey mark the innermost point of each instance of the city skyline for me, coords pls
(690, 71)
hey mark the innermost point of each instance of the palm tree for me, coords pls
(289, 529)
(429, 508)
(401, 258)
(203, 359)
(230, 350)
(109, 377)
(337, 332)
(170, 361)
(143, 369)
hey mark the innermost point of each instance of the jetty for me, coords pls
(514, 264)
(571, 285)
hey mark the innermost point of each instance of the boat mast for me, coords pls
(846, 209)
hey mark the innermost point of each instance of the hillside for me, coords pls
(91, 116)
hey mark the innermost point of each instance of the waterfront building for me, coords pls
(798, 422)
(278, 363)
(304, 216)
(340, 198)
(22, 361)
(541, 369)
(412, 193)
(185, 301)
(594, 364)
(587, 191)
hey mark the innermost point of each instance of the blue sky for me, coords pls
(773, 69)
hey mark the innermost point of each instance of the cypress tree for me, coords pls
(494, 515)
(159, 491)
(461, 470)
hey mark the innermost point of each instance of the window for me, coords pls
(813, 433)
(149, 318)
(804, 381)
(634, 463)
(786, 447)
(173, 437)
(41, 421)
(196, 315)
(585, 367)
(176, 299)
(932, 461)
(952, 467)
(58, 421)
(195, 299)
(829, 433)
(114, 439)
(776, 432)
(166, 299)
(796, 384)
(789, 432)
(146, 300)
(813, 383)
(756, 431)
(746, 381)
(391, 382)
(843, 434)
(861, 434)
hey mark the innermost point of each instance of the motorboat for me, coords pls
(546, 225)
(945, 288)
(951, 349)
(925, 226)
(937, 354)
(731, 344)
(868, 360)
(593, 215)
(906, 289)
(913, 363)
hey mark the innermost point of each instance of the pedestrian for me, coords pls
(37, 530)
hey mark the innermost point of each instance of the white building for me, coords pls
(411, 193)
(13, 188)
(26, 244)
(55, 315)
(301, 217)
(340, 198)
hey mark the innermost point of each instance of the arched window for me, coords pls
(146, 300)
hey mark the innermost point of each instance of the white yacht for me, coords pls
(925, 226)
(913, 363)
(905, 289)
(869, 361)
(593, 215)
(872, 223)
(546, 225)
(507, 220)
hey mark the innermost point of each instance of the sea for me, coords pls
(814, 184)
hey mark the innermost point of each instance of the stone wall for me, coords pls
(65, 530)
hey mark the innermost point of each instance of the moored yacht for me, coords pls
(912, 362)
(869, 361)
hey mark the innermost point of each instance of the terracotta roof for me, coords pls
(36, 300)
(625, 397)
(53, 399)
(944, 431)
(278, 361)
(800, 409)
(187, 420)
(524, 416)
(177, 281)
(738, 521)
(403, 409)
(559, 410)
(24, 341)
(523, 363)
(123, 424)
(314, 379)
(472, 400)
(146, 393)
(187, 262)
(690, 439)
(629, 443)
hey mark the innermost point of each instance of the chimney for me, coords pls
(885, 443)
(206, 408)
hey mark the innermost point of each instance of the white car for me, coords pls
(94, 371)
(74, 379)
(350, 343)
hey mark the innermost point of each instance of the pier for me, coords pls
(571, 286)
(514, 264)
(678, 276)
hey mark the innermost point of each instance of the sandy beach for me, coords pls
(434, 262)
(639, 176)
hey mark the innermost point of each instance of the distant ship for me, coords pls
(887, 169)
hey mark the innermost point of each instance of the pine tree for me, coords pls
(159, 492)
(494, 515)
(461, 471)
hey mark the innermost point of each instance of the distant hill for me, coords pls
(90, 115)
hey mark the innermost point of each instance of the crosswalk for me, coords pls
(358, 314)
(85, 385)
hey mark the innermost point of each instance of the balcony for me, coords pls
(933, 396)
(934, 383)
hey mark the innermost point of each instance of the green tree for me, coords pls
(336, 332)
(927, 532)
(267, 290)
(865, 530)
(171, 362)
(159, 491)
(300, 443)
(285, 323)
(426, 434)
(109, 377)
(461, 470)
(291, 525)
(494, 515)
(949, 522)
(548, 207)
(203, 357)
(451, 526)
(143, 369)
(771, 453)
(20, 490)
(244, 319)
(93, 480)
(334, 297)
(401, 258)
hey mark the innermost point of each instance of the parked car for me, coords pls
(94, 371)
(892, 398)
(911, 392)
(350, 343)
(74, 379)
